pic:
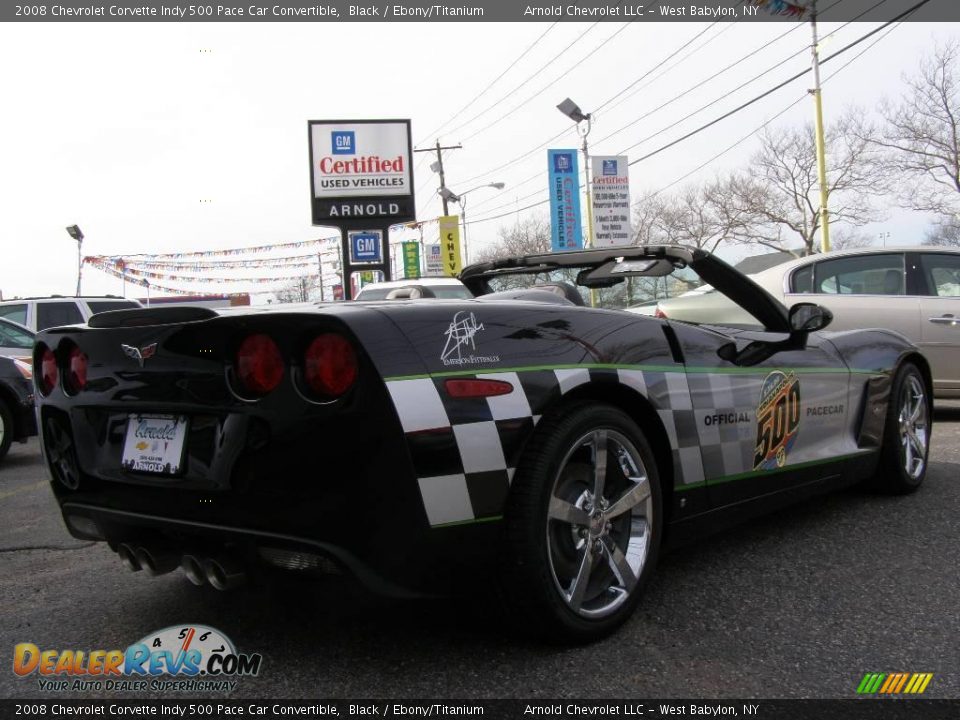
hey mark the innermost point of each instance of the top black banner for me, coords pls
(646, 11)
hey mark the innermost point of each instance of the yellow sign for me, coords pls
(450, 245)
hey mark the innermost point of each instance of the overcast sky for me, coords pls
(174, 137)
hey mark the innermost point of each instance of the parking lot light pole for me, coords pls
(75, 232)
(447, 195)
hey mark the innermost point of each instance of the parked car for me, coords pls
(519, 438)
(15, 340)
(913, 290)
(17, 418)
(443, 288)
(40, 313)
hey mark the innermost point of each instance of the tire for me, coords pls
(6, 429)
(906, 434)
(551, 582)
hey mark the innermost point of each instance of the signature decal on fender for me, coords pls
(778, 420)
(461, 340)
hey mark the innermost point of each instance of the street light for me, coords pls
(75, 232)
(449, 196)
(569, 108)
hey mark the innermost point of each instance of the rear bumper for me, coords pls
(183, 536)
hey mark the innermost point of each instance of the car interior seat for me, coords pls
(892, 282)
(563, 289)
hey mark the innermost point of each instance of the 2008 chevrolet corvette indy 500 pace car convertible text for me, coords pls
(420, 444)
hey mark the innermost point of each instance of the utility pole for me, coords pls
(438, 168)
(820, 143)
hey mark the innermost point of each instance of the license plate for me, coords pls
(154, 443)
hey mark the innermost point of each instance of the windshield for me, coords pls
(631, 292)
(442, 292)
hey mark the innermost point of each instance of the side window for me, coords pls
(11, 336)
(801, 280)
(52, 314)
(942, 274)
(860, 275)
(16, 313)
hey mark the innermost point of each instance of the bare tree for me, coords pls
(776, 202)
(847, 239)
(297, 291)
(528, 236)
(921, 134)
(945, 233)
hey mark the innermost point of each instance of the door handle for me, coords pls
(947, 319)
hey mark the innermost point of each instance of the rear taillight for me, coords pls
(464, 389)
(330, 365)
(658, 313)
(259, 365)
(47, 370)
(75, 375)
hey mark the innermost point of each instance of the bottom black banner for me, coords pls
(867, 709)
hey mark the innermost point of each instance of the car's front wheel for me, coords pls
(583, 524)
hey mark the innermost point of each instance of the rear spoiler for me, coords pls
(140, 317)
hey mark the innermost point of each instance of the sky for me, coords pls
(164, 137)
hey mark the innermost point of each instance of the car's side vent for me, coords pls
(140, 317)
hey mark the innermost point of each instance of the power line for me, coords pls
(553, 82)
(531, 77)
(566, 130)
(769, 120)
(492, 83)
(743, 106)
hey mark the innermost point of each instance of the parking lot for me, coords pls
(799, 604)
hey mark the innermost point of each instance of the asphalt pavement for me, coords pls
(802, 603)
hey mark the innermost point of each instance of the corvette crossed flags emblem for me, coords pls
(140, 354)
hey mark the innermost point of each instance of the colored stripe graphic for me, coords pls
(894, 683)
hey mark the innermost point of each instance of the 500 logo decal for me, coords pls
(180, 650)
(778, 420)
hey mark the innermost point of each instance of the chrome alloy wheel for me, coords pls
(599, 523)
(913, 427)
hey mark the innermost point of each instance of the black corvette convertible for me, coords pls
(522, 435)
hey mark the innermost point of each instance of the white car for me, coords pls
(444, 288)
(913, 290)
(40, 313)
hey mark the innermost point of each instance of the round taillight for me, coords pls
(75, 377)
(47, 379)
(259, 364)
(330, 365)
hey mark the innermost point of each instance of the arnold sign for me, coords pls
(360, 171)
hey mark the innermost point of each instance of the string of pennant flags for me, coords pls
(159, 270)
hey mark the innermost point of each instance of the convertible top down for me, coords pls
(427, 446)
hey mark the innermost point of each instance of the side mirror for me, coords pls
(809, 317)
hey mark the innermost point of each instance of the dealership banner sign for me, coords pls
(610, 193)
(450, 244)
(360, 170)
(411, 259)
(434, 259)
(565, 223)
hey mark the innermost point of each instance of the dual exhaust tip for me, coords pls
(223, 572)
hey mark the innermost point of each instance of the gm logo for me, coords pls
(344, 142)
(563, 162)
(609, 167)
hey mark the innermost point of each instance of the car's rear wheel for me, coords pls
(583, 524)
(906, 439)
(6, 429)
